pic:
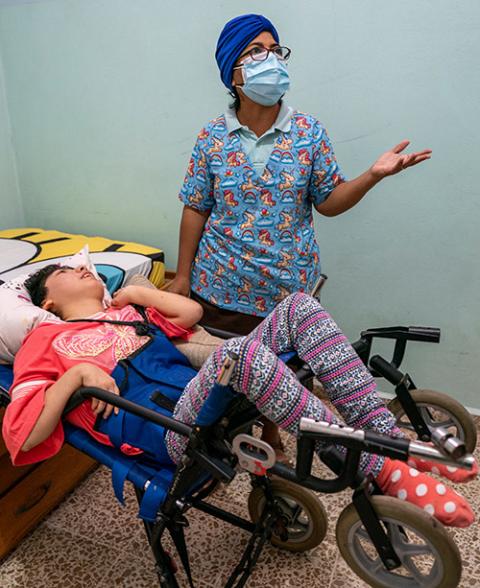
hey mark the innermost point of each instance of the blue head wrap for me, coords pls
(235, 36)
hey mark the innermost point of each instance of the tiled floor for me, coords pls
(90, 541)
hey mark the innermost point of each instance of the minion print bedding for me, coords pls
(25, 250)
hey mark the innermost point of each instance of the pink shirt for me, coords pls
(47, 353)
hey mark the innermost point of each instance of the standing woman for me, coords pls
(255, 175)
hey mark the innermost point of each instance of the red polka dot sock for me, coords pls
(456, 475)
(400, 480)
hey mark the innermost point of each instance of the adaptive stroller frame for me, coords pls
(209, 459)
(415, 408)
(218, 445)
(431, 415)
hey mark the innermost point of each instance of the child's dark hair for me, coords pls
(35, 284)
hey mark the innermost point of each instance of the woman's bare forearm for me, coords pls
(347, 194)
(392, 162)
(191, 229)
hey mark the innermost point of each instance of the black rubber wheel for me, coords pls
(429, 556)
(439, 410)
(303, 516)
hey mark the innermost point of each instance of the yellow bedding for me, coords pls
(115, 260)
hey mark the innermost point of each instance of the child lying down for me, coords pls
(58, 357)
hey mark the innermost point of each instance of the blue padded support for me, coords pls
(215, 404)
(139, 474)
(82, 441)
(158, 368)
(155, 495)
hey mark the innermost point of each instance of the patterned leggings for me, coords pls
(298, 323)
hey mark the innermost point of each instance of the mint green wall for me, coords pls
(11, 213)
(106, 96)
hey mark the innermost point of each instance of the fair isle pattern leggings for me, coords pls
(298, 323)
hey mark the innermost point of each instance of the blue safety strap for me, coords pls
(115, 427)
(124, 468)
(120, 469)
(120, 473)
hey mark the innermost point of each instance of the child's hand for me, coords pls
(93, 376)
(124, 296)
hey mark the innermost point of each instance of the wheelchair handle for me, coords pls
(395, 448)
(401, 336)
(87, 392)
(381, 366)
(412, 333)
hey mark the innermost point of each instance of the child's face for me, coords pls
(68, 284)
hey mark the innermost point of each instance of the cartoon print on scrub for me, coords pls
(258, 243)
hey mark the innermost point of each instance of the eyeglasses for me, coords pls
(261, 53)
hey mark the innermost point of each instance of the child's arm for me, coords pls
(58, 394)
(181, 310)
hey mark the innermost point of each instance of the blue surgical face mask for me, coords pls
(265, 82)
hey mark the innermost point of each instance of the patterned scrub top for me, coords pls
(258, 243)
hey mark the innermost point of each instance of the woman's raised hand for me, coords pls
(394, 161)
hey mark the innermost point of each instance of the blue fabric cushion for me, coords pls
(6, 376)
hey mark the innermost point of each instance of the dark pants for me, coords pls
(226, 320)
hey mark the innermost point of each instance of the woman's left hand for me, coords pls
(394, 161)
